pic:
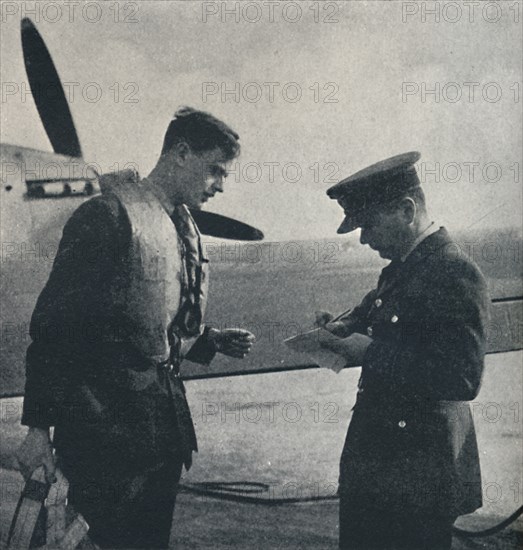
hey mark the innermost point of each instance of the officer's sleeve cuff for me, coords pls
(37, 416)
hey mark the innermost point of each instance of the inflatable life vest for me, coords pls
(159, 282)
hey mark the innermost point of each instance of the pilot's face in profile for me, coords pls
(204, 175)
(384, 231)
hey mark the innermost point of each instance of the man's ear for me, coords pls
(180, 152)
(408, 210)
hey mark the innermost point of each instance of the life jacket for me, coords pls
(157, 278)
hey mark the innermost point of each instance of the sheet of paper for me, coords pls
(310, 343)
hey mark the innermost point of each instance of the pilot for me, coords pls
(122, 308)
(410, 463)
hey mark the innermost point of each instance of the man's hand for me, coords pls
(234, 342)
(322, 318)
(353, 348)
(36, 450)
(338, 328)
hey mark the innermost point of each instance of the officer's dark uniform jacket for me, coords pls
(122, 307)
(411, 444)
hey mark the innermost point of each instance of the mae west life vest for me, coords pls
(157, 279)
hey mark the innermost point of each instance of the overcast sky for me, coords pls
(353, 63)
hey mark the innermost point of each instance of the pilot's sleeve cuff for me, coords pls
(203, 350)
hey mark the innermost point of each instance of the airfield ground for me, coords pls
(287, 430)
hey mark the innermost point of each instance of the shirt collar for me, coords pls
(431, 229)
(162, 197)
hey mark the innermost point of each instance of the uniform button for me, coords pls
(402, 423)
(394, 319)
(378, 302)
(369, 331)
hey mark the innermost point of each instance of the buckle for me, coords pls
(169, 368)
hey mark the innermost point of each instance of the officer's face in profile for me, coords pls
(202, 175)
(385, 231)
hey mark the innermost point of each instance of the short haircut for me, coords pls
(202, 132)
(415, 193)
(418, 196)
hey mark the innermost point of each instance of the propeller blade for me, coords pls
(216, 225)
(48, 93)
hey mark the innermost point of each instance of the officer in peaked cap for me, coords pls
(379, 184)
(410, 463)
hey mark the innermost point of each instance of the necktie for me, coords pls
(186, 324)
(189, 318)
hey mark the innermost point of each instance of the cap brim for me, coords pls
(347, 225)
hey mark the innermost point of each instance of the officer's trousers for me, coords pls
(385, 530)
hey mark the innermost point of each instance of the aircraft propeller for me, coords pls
(48, 93)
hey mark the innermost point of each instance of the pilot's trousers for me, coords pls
(123, 475)
(127, 512)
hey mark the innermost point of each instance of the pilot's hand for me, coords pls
(36, 450)
(322, 318)
(234, 342)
